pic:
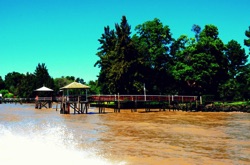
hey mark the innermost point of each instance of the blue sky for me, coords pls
(64, 34)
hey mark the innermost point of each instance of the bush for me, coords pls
(9, 95)
(4, 92)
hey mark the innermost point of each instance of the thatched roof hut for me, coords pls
(75, 85)
(43, 89)
(75, 89)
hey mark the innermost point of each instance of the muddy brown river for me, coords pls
(44, 136)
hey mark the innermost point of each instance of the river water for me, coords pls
(44, 136)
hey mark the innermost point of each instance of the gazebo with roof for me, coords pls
(74, 96)
(43, 97)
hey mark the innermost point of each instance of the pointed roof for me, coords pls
(43, 89)
(75, 85)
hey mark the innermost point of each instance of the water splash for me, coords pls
(54, 145)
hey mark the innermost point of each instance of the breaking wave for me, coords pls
(53, 145)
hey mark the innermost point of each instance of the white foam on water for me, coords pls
(45, 147)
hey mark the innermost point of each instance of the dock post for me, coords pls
(68, 108)
(86, 108)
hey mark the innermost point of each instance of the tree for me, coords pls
(61, 82)
(2, 84)
(124, 68)
(80, 80)
(236, 56)
(106, 55)
(42, 77)
(12, 82)
(247, 41)
(94, 87)
(118, 60)
(153, 42)
(4, 92)
(71, 78)
(27, 86)
(243, 80)
(202, 63)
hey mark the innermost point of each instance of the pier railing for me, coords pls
(44, 98)
(71, 98)
(168, 98)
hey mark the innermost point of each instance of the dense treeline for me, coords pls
(152, 59)
(165, 65)
(23, 85)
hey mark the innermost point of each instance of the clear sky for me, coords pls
(64, 34)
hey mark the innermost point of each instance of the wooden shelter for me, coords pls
(43, 97)
(75, 97)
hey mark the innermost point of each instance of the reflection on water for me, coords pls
(123, 138)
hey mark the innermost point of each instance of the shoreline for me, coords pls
(200, 108)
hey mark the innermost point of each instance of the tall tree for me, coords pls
(232, 89)
(243, 80)
(247, 41)
(27, 86)
(106, 58)
(118, 60)
(12, 81)
(236, 56)
(154, 41)
(124, 66)
(202, 64)
(42, 77)
(2, 84)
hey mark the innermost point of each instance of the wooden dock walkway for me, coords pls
(77, 103)
(149, 102)
(45, 102)
(81, 104)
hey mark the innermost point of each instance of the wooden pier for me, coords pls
(149, 102)
(77, 103)
(43, 98)
(74, 97)
(41, 102)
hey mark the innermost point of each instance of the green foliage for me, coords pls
(153, 42)
(65, 80)
(42, 77)
(4, 92)
(118, 61)
(243, 80)
(13, 82)
(27, 86)
(9, 95)
(23, 85)
(80, 80)
(94, 87)
(247, 41)
(199, 65)
(151, 57)
(2, 83)
(236, 56)
(61, 82)
(236, 87)
(230, 90)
